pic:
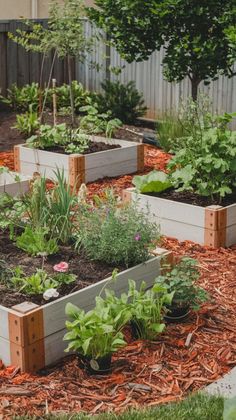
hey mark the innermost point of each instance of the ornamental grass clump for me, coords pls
(116, 234)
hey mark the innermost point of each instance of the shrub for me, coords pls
(27, 123)
(118, 235)
(21, 98)
(124, 101)
(98, 123)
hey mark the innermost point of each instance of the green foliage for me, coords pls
(147, 308)
(181, 281)
(40, 281)
(94, 333)
(36, 242)
(27, 123)
(192, 34)
(115, 234)
(95, 123)
(169, 130)
(81, 96)
(153, 182)
(22, 98)
(123, 101)
(72, 140)
(206, 163)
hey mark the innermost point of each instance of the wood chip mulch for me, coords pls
(187, 357)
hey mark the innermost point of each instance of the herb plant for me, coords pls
(147, 308)
(98, 123)
(93, 334)
(22, 98)
(27, 123)
(36, 242)
(181, 280)
(118, 235)
(39, 282)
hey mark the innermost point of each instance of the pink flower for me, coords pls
(137, 237)
(62, 267)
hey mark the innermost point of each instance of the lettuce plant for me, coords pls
(153, 182)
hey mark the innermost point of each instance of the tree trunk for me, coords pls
(71, 92)
(195, 82)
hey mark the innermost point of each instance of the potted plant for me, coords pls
(181, 281)
(147, 308)
(94, 335)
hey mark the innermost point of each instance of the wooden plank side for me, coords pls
(108, 157)
(174, 211)
(5, 351)
(4, 326)
(43, 157)
(111, 170)
(231, 215)
(231, 235)
(54, 313)
(29, 169)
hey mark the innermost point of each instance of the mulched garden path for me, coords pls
(187, 357)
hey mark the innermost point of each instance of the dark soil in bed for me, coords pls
(88, 272)
(196, 200)
(93, 148)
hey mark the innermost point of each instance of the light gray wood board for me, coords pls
(5, 351)
(54, 313)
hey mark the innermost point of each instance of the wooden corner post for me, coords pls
(215, 226)
(76, 171)
(26, 332)
(17, 158)
(140, 157)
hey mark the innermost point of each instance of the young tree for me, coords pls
(64, 35)
(192, 33)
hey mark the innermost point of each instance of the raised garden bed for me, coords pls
(10, 184)
(31, 335)
(78, 168)
(213, 226)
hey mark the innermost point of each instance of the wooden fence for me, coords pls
(18, 66)
(21, 67)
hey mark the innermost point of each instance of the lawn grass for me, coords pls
(195, 407)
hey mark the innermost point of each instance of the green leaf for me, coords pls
(155, 181)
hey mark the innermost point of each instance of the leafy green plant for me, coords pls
(229, 409)
(79, 142)
(206, 164)
(98, 123)
(35, 242)
(40, 281)
(80, 95)
(27, 123)
(153, 182)
(22, 98)
(115, 234)
(49, 136)
(92, 334)
(147, 308)
(181, 280)
(122, 100)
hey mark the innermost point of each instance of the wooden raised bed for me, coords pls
(212, 226)
(79, 168)
(31, 336)
(9, 185)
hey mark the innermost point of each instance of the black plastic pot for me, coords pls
(99, 366)
(177, 313)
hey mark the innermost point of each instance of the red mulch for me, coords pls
(187, 357)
